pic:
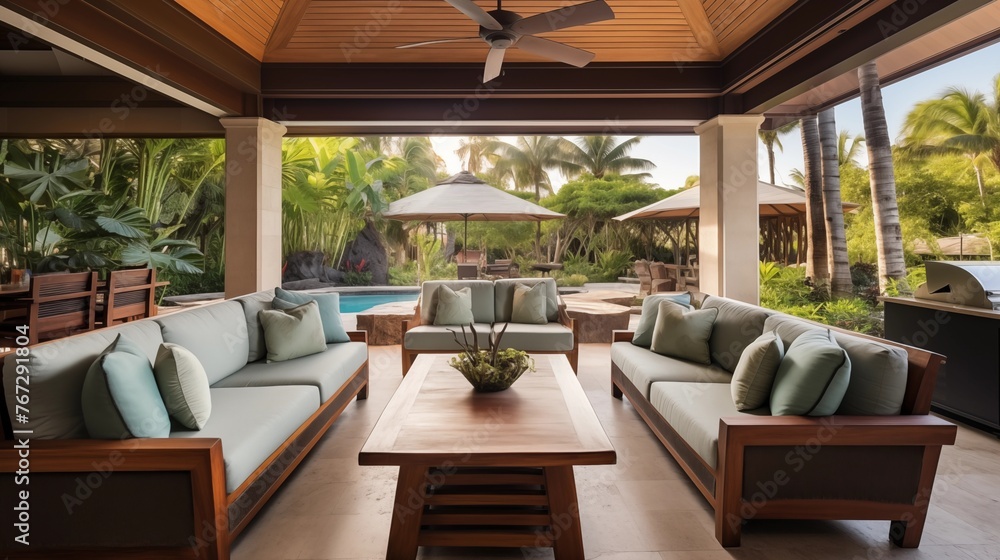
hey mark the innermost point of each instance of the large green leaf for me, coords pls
(127, 222)
(355, 168)
(172, 254)
(36, 181)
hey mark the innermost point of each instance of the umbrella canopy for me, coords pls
(773, 201)
(464, 197)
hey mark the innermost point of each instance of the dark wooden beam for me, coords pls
(843, 49)
(79, 91)
(155, 39)
(107, 122)
(405, 81)
(289, 17)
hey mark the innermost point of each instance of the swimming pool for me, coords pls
(355, 303)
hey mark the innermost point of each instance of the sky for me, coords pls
(676, 157)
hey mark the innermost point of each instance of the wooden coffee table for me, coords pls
(487, 469)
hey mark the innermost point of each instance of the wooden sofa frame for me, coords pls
(564, 319)
(218, 518)
(743, 438)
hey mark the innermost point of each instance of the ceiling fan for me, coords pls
(502, 29)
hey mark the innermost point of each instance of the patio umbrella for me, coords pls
(465, 197)
(773, 201)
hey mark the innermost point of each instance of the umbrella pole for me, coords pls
(465, 242)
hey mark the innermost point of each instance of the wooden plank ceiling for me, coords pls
(369, 30)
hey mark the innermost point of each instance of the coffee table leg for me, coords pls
(565, 511)
(404, 530)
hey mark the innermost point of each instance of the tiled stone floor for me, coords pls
(643, 508)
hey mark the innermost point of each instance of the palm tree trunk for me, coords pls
(840, 267)
(770, 159)
(979, 183)
(888, 233)
(817, 267)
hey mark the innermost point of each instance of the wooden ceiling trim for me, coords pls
(247, 23)
(701, 27)
(288, 21)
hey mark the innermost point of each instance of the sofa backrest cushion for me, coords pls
(252, 305)
(878, 371)
(216, 334)
(58, 370)
(736, 327)
(482, 299)
(504, 297)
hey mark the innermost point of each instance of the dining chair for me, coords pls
(130, 294)
(660, 280)
(645, 279)
(56, 305)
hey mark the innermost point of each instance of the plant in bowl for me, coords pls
(490, 369)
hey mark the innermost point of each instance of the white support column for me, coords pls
(728, 231)
(253, 204)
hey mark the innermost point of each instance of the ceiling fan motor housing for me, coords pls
(503, 38)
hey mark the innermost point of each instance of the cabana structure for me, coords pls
(255, 71)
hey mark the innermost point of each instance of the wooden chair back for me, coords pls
(644, 276)
(131, 294)
(468, 271)
(61, 304)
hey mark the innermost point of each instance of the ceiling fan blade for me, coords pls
(570, 16)
(555, 51)
(494, 62)
(455, 40)
(476, 14)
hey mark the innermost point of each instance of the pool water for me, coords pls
(354, 303)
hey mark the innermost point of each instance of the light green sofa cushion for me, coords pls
(120, 398)
(683, 335)
(529, 305)
(693, 410)
(327, 371)
(252, 422)
(812, 378)
(453, 307)
(58, 369)
(252, 305)
(183, 385)
(293, 333)
(737, 325)
(878, 371)
(504, 297)
(754, 375)
(216, 334)
(482, 299)
(643, 368)
(329, 311)
(650, 308)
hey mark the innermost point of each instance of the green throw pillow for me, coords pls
(453, 307)
(183, 385)
(292, 333)
(329, 311)
(650, 305)
(530, 304)
(120, 399)
(813, 376)
(683, 335)
(754, 374)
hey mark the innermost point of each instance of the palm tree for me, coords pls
(529, 161)
(600, 155)
(840, 266)
(960, 122)
(772, 139)
(475, 151)
(849, 147)
(817, 265)
(888, 232)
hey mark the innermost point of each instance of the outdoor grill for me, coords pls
(975, 284)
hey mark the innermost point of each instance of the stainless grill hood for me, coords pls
(972, 283)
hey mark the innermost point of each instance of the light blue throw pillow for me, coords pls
(120, 398)
(329, 311)
(647, 321)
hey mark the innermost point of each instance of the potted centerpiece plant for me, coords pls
(489, 369)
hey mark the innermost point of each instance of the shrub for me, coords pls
(612, 263)
(785, 289)
(357, 274)
(570, 280)
(403, 275)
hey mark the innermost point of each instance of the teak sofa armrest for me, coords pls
(201, 458)
(622, 336)
(358, 336)
(836, 430)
